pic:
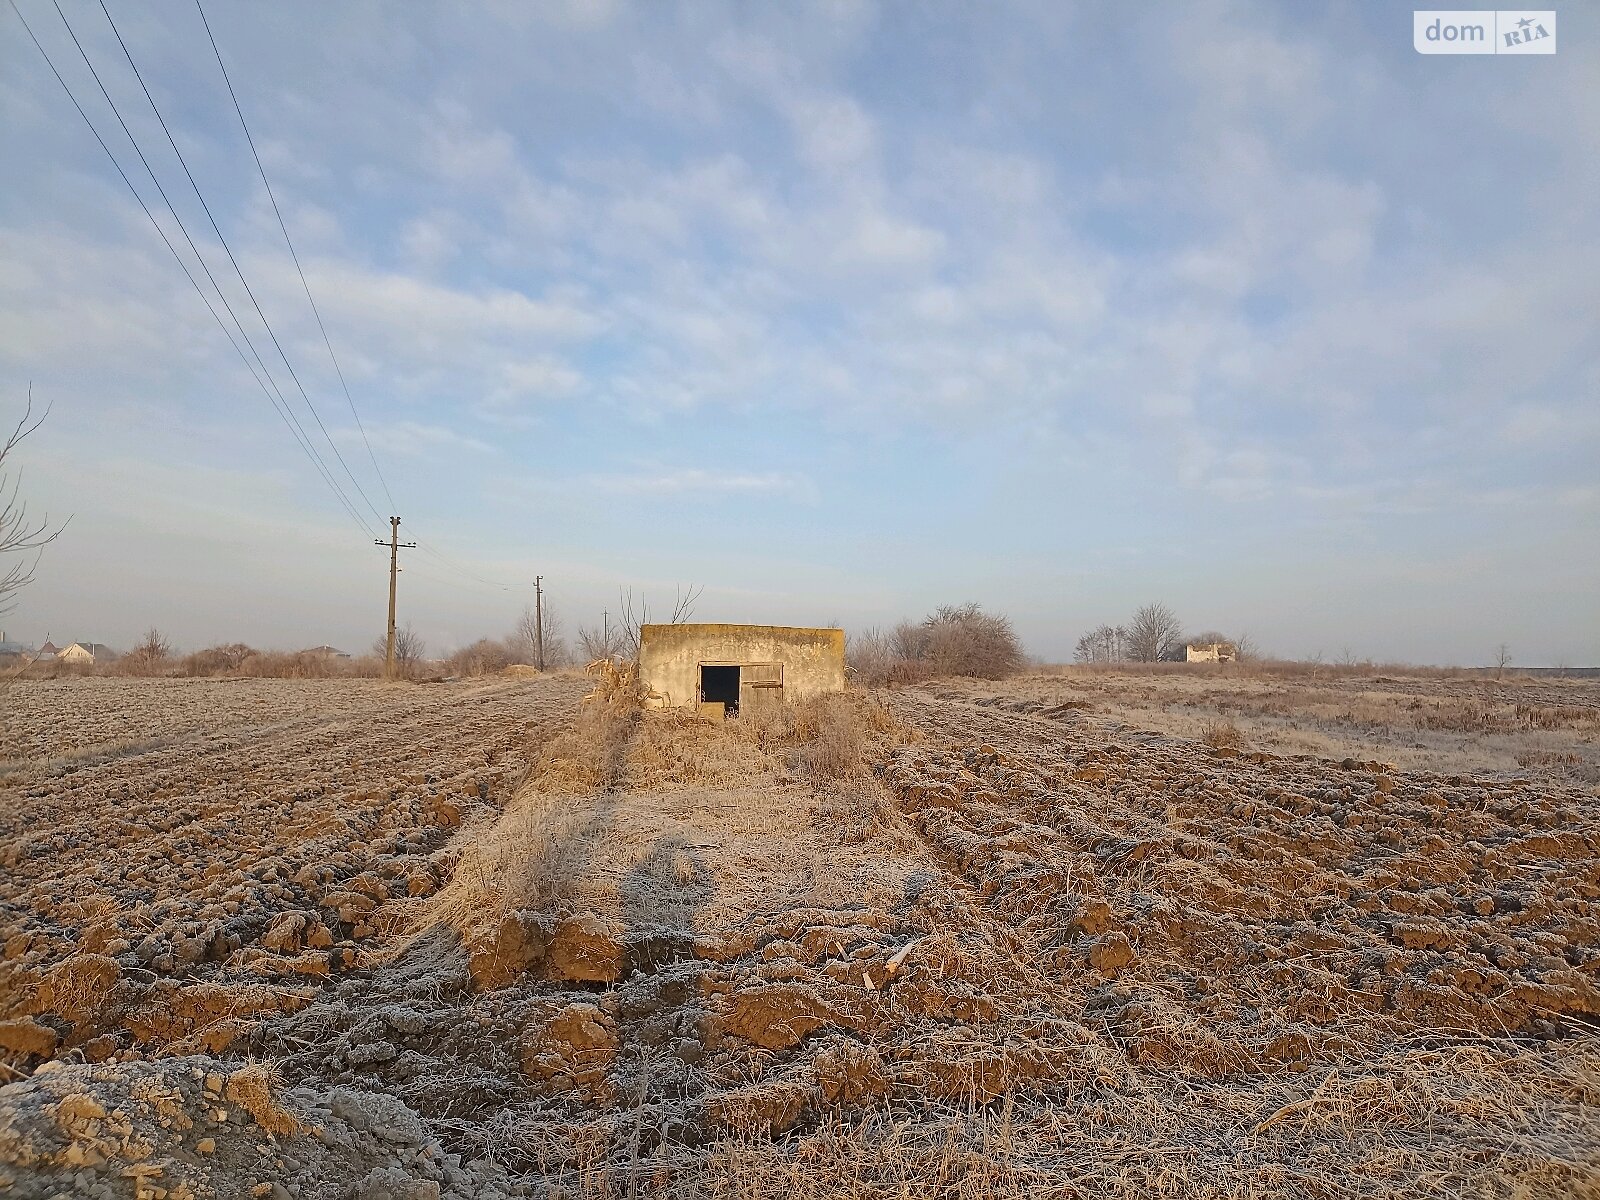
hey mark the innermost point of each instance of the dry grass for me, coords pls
(557, 846)
(1436, 720)
(251, 1088)
(1221, 734)
(1459, 1122)
(525, 856)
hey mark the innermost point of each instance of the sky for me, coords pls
(840, 310)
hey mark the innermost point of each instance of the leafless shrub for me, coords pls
(408, 650)
(1221, 734)
(149, 657)
(964, 640)
(484, 657)
(955, 640)
(524, 640)
(216, 660)
(869, 656)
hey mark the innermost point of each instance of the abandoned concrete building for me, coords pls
(1217, 652)
(739, 667)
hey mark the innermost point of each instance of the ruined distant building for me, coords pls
(1217, 652)
(739, 667)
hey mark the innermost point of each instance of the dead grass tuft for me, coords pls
(250, 1087)
(526, 856)
(1221, 734)
(590, 756)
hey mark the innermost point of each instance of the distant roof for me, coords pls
(49, 648)
(326, 650)
(98, 649)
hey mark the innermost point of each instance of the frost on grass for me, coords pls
(1031, 938)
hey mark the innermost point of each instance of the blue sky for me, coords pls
(841, 310)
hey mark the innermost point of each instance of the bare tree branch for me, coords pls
(20, 534)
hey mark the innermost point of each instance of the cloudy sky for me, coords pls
(842, 310)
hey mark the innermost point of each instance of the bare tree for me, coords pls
(636, 614)
(1105, 644)
(1155, 634)
(148, 657)
(1502, 659)
(22, 538)
(408, 650)
(524, 639)
(597, 644)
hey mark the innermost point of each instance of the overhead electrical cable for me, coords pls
(239, 271)
(457, 567)
(282, 411)
(326, 340)
(282, 401)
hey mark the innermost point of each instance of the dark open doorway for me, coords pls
(720, 683)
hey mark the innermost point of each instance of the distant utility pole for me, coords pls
(538, 621)
(395, 546)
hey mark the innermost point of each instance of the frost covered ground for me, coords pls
(342, 939)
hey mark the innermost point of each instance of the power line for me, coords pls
(281, 402)
(184, 229)
(459, 569)
(280, 408)
(338, 370)
(237, 270)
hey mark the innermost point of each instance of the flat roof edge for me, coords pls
(729, 627)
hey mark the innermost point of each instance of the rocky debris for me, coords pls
(201, 1128)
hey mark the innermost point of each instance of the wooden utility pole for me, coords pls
(395, 546)
(538, 621)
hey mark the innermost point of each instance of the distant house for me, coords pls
(86, 653)
(47, 652)
(1217, 652)
(326, 652)
(10, 649)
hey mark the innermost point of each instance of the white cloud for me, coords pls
(691, 481)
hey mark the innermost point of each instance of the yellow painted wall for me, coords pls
(670, 657)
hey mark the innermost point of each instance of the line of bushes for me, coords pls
(953, 640)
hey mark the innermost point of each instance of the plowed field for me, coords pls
(340, 939)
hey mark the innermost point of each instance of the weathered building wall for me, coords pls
(670, 657)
